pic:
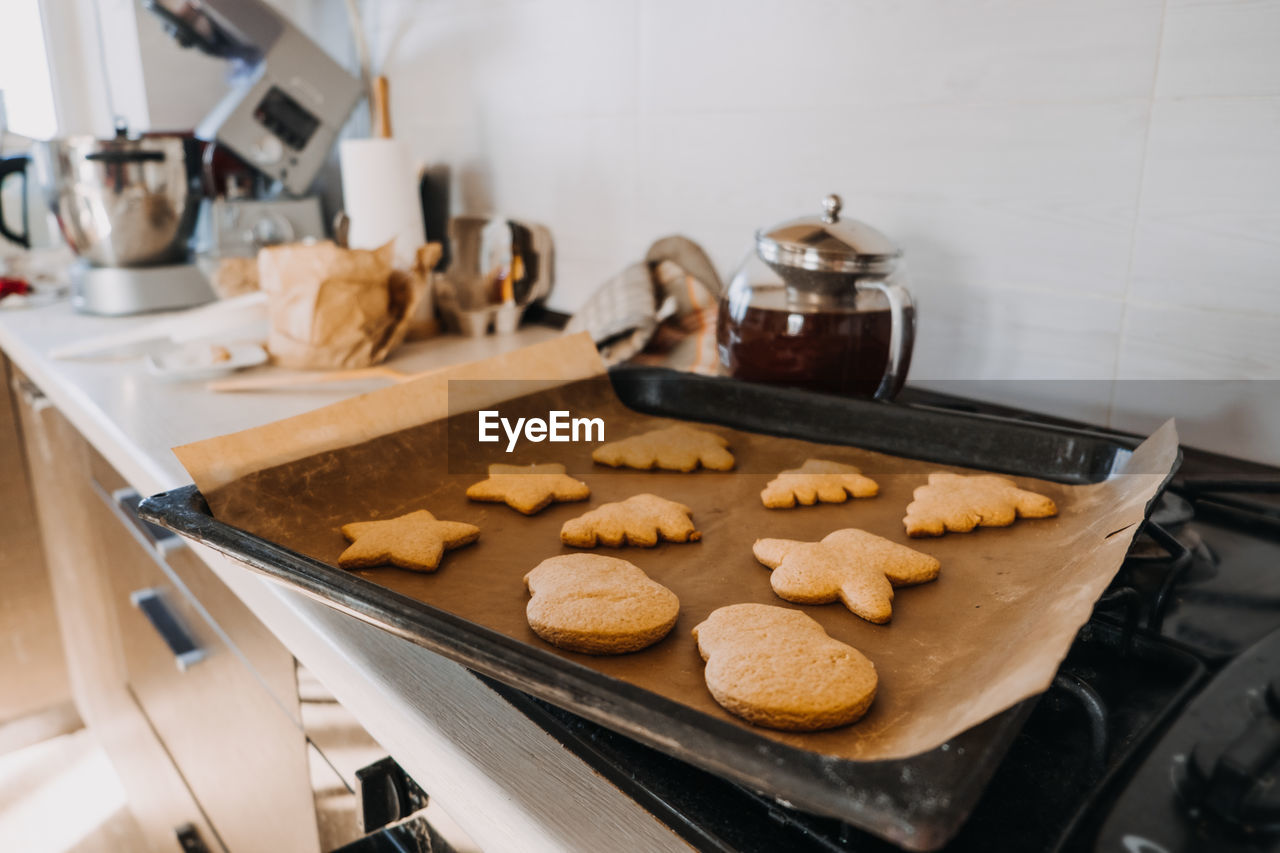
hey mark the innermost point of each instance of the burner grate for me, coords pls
(1114, 690)
(1200, 572)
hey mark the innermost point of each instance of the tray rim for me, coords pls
(740, 754)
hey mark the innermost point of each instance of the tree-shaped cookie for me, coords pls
(528, 488)
(854, 566)
(677, 448)
(778, 668)
(951, 502)
(598, 605)
(416, 541)
(639, 520)
(817, 480)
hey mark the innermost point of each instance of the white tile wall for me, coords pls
(1220, 47)
(1176, 343)
(753, 56)
(1208, 234)
(1085, 189)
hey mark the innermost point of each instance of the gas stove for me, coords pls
(1160, 734)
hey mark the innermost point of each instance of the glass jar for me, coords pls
(820, 303)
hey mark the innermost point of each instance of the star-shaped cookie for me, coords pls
(854, 566)
(817, 480)
(416, 541)
(528, 488)
(677, 448)
(951, 502)
(639, 520)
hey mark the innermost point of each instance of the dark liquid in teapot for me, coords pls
(837, 351)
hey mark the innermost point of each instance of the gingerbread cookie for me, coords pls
(677, 448)
(598, 605)
(416, 541)
(528, 488)
(777, 667)
(639, 520)
(854, 566)
(958, 504)
(817, 480)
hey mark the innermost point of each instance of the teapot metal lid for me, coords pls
(827, 244)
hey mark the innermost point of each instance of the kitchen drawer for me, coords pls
(31, 651)
(236, 625)
(242, 756)
(159, 799)
(69, 516)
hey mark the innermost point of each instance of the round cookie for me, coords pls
(598, 605)
(776, 667)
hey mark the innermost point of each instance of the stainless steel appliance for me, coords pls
(288, 98)
(127, 207)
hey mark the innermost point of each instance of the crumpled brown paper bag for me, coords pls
(333, 308)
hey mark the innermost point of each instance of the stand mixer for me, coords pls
(128, 206)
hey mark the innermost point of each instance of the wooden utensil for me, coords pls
(381, 107)
(283, 381)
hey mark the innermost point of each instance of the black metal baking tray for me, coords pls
(919, 802)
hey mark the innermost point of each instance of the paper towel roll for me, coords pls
(380, 193)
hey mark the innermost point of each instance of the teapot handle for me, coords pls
(902, 335)
(8, 166)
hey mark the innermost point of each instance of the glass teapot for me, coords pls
(820, 303)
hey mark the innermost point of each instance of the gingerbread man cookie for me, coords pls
(854, 566)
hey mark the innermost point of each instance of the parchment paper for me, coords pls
(332, 308)
(988, 633)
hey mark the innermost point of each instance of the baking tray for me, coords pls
(919, 802)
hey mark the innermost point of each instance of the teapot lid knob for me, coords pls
(831, 208)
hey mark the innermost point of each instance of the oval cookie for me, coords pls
(778, 668)
(598, 605)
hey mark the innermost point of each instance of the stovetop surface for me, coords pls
(1199, 590)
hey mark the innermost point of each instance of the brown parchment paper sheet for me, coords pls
(988, 633)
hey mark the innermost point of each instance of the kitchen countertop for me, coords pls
(505, 781)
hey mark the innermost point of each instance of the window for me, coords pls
(24, 71)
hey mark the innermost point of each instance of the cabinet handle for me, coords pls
(189, 840)
(165, 622)
(31, 394)
(157, 538)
